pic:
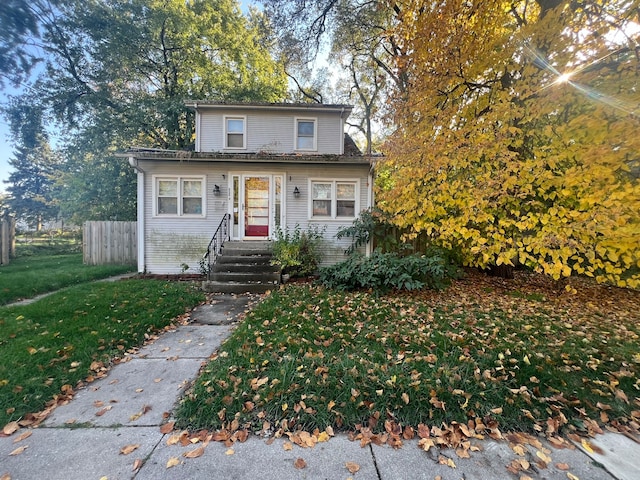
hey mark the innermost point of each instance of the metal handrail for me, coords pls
(214, 249)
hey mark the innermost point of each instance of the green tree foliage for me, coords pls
(358, 38)
(517, 137)
(19, 27)
(117, 73)
(31, 189)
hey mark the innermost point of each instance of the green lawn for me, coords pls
(486, 353)
(50, 346)
(28, 276)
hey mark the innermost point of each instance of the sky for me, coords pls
(6, 146)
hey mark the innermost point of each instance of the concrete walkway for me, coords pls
(85, 438)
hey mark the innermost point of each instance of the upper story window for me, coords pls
(334, 199)
(306, 134)
(179, 196)
(235, 132)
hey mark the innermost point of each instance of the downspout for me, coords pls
(370, 200)
(341, 131)
(133, 161)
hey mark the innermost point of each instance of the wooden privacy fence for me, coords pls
(7, 239)
(109, 243)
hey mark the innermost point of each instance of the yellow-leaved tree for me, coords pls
(518, 138)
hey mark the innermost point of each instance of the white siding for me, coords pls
(171, 243)
(270, 132)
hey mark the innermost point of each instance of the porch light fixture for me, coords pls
(216, 190)
(296, 192)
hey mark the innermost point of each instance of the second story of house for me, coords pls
(270, 128)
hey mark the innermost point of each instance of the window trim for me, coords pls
(225, 138)
(296, 121)
(334, 200)
(180, 179)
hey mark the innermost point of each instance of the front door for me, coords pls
(256, 206)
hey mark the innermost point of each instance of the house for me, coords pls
(260, 167)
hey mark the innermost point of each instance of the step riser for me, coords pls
(244, 267)
(245, 277)
(246, 259)
(237, 288)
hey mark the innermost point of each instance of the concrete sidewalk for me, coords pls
(83, 440)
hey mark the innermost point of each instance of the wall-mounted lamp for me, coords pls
(296, 192)
(216, 190)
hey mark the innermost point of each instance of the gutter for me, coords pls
(133, 161)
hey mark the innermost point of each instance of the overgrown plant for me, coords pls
(297, 252)
(386, 271)
(371, 225)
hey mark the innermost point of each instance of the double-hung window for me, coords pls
(235, 132)
(179, 196)
(333, 198)
(306, 134)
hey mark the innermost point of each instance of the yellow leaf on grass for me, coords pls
(352, 467)
(331, 405)
(173, 461)
(323, 437)
(405, 398)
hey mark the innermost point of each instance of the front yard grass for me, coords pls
(27, 276)
(49, 347)
(486, 353)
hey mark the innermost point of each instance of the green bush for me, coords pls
(297, 252)
(386, 271)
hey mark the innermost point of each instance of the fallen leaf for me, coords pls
(562, 466)
(571, 476)
(22, 436)
(5, 476)
(300, 463)
(590, 447)
(127, 449)
(287, 446)
(173, 461)
(137, 464)
(543, 456)
(19, 450)
(10, 428)
(194, 453)
(352, 467)
(442, 460)
(167, 428)
(101, 412)
(230, 451)
(405, 398)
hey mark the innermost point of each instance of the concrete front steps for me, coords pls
(243, 267)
